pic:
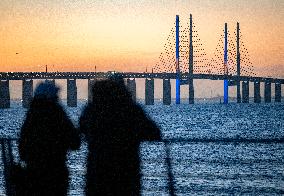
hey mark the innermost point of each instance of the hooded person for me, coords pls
(46, 136)
(114, 125)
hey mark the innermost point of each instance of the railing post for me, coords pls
(7, 159)
(170, 172)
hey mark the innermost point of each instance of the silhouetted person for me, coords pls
(46, 136)
(114, 126)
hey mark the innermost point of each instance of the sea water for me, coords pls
(201, 163)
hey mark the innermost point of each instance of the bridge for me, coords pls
(183, 60)
(102, 75)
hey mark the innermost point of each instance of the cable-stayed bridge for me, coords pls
(183, 60)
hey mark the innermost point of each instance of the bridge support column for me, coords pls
(267, 92)
(4, 94)
(27, 92)
(149, 91)
(191, 91)
(257, 98)
(71, 93)
(226, 91)
(245, 91)
(277, 92)
(91, 83)
(131, 85)
(52, 81)
(239, 99)
(167, 98)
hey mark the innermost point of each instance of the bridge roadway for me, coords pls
(93, 75)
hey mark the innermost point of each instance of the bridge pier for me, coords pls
(267, 92)
(71, 93)
(167, 98)
(245, 91)
(257, 98)
(4, 94)
(27, 92)
(277, 92)
(91, 83)
(149, 91)
(191, 91)
(131, 85)
(239, 99)
(52, 81)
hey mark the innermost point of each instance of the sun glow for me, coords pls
(127, 35)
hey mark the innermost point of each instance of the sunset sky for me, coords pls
(128, 35)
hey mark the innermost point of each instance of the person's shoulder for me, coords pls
(87, 110)
(136, 111)
(139, 108)
(57, 111)
(57, 107)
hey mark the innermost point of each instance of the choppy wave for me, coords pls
(215, 149)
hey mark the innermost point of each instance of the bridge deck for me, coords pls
(93, 75)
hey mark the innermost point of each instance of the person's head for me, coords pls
(46, 90)
(111, 92)
(117, 78)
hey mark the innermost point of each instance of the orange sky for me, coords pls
(129, 35)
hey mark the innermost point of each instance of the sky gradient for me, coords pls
(125, 35)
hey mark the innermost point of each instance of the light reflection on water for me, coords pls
(198, 168)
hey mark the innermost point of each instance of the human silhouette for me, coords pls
(114, 125)
(46, 136)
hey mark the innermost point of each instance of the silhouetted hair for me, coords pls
(46, 90)
(117, 77)
(112, 91)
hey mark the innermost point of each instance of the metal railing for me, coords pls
(8, 158)
(8, 162)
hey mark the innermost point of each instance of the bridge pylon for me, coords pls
(238, 64)
(226, 83)
(190, 64)
(236, 82)
(177, 62)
